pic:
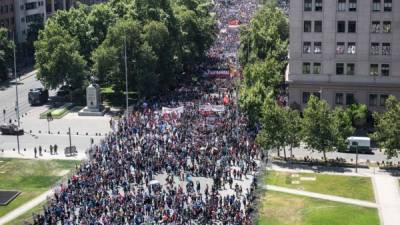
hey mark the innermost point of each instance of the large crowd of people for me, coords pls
(182, 159)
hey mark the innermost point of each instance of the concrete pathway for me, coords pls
(25, 207)
(322, 196)
(387, 194)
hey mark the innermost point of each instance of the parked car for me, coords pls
(360, 144)
(38, 96)
(10, 129)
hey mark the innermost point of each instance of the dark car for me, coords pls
(38, 96)
(10, 129)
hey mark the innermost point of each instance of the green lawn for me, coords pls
(27, 217)
(345, 186)
(285, 209)
(31, 177)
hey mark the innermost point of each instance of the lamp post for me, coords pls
(16, 94)
(356, 144)
(4, 115)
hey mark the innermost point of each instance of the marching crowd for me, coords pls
(207, 141)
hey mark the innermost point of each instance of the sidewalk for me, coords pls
(25, 207)
(387, 194)
(322, 196)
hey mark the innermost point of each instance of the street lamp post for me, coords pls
(4, 115)
(356, 144)
(16, 94)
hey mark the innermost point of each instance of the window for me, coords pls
(387, 26)
(373, 70)
(352, 5)
(373, 100)
(306, 97)
(318, 26)
(318, 5)
(307, 5)
(386, 49)
(339, 99)
(317, 47)
(350, 69)
(341, 26)
(317, 94)
(352, 27)
(350, 100)
(307, 26)
(317, 68)
(351, 48)
(374, 48)
(387, 5)
(341, 7)
(307, 47)
(385, 70)
(339, 68)
(382, 99)
(30, 5)
(306, 68)
(340, 48)
(376, 5)
(376, 27)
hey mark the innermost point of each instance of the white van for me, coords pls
(362, 143)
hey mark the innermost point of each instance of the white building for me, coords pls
(27, 12)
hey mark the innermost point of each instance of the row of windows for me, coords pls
(308, 48)
(351, 26)
(377, 5)
(346, 69)
(348, 5)
(7, 22)
(6, 8)
(348, 98)
(377, 49)
(384, 27)
(317, 26)
(341, 48)
(32, 5)
(342, 6)
(308, 5)
(32, 18)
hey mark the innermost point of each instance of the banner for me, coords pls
(178, 110)
(212, 108)
(216, 73)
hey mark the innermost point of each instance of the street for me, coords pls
(8, 95)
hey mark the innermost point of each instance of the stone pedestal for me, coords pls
(93, 103)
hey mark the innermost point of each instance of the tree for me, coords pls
(387, 126)
(58, 59)
(273, 123)
(358, 114)
(293, 129)
(141, 61)
(6, 54)
(318, 129)
(100, 18)
(265, 37)
(343, 126)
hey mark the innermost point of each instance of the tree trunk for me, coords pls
(279, 153)
(325, 157)
(284, 153)
(291, 151)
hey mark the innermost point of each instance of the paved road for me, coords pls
(8, 95)
(322, 196)
(387, 194)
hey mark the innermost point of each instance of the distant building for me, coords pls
(344, 51)
(26, 13)
(7, 15)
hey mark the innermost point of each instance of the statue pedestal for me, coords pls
(94, 107)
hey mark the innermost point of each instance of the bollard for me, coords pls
(86, 134)
(30, 131)
(77, 133)
(58, 132)
(24, 149)
(40, 132)
(14, 149)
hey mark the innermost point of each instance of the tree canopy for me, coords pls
(387, 126)
(164, 38)
(6, 53)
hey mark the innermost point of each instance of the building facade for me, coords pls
(7, 14)
(26, 13)
(344, 51)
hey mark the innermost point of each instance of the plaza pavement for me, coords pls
(83, 129)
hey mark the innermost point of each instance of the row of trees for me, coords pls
(263, 55)
(324, 129)
(6, 54)
(320, 128)
(163, 38)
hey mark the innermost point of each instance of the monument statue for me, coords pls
(93, 101)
